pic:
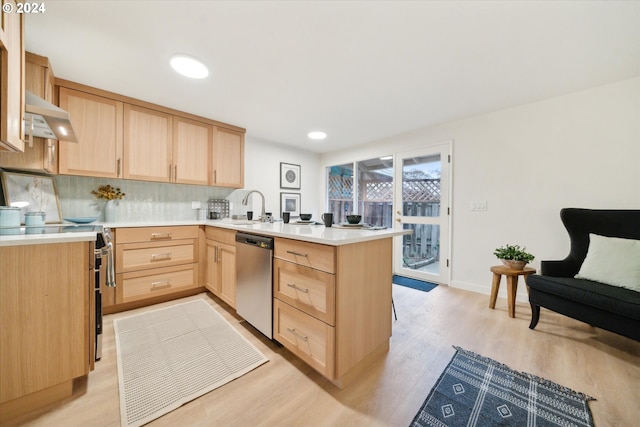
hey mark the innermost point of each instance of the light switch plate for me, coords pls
(479, 205)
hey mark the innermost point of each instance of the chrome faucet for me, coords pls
(263, 217)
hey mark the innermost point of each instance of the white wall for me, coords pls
(528, 162)
(262, 173)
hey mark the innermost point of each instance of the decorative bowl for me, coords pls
(305, 217)
(354, 219)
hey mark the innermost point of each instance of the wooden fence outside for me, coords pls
(421, 197)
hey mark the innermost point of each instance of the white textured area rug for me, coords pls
(170, 356)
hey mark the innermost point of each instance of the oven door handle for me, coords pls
(111, 274)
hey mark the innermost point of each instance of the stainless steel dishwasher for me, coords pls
(254, 295)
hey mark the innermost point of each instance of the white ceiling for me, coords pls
(359, 70)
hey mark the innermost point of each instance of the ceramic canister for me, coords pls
(9, 216)
(34, 218)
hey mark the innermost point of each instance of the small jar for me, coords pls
(34, 218)
(9, 216)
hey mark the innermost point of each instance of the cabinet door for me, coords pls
(192, 141)
(97, 122)
(212, 280)
(11, 79)
(147, 144)
(228, 158)
(40, 154)
(44, 317)
(227, 273)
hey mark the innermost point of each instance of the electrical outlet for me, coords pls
(195, 205)
(479, 205)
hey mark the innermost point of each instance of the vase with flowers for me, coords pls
(110, 195)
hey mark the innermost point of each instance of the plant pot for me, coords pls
(514, 265)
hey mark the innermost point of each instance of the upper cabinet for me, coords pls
(39, 154)
(125, 138)
(11, 79)
(97, 122)
(192, 142)
(228, 158)
(148, 143)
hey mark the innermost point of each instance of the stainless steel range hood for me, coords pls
(43, 119)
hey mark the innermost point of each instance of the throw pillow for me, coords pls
(612, 260)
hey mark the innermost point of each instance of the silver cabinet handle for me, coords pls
(155, 257)
(160, 235)
(175, 173)
(294, 286)
(304, 338)
(298, 254)
(160, 285)
(118, 167)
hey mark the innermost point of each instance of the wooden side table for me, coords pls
(512, 285)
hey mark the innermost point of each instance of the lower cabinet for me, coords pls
(45, 318)
(221, 264)
(155, 262)
(307, 337)
(332, 304)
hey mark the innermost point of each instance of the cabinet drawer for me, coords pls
(139, 256)
(221, 235)
(140, 284)
(156, 234)
(305, 336)
(314, 255)
(309, 290)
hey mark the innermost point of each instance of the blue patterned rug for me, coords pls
(478, 391)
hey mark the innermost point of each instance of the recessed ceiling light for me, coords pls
(189, 66)
(317, 135)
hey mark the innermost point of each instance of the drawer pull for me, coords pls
(160, 285)
(297, 335)
(298, 254)
(293, 285)
(156, 257)
(160, 235)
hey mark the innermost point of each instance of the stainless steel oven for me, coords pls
(104, 275)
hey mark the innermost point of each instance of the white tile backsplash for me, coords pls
(142, 200)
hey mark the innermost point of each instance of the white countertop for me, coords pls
(315, 233)
(39, 239)
(333, 236)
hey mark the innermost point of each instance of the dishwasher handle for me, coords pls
(254, 240)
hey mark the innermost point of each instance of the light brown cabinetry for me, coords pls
(40, 154)
(332, 304)
(11, 78)
(192, 142)
(228, 158)
(155, 261)
(148, 142)
(164, 148)
(45, 315)
(221, 264)
(98, 124)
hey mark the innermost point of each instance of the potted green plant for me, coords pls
(513, 256)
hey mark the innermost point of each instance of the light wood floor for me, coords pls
(285, 392)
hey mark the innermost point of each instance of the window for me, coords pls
(370, 195)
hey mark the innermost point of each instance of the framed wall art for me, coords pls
(290, 202)
(289, 176)
(32, 193)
